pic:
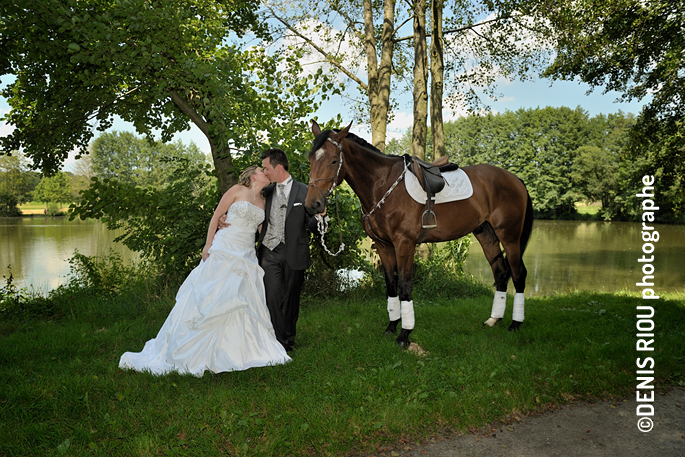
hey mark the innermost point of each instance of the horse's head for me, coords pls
(326, 166)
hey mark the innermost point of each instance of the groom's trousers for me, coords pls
(283, 286)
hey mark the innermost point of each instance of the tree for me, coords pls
(637, 48)
(594, 172)
(484, 40)
(15, 177)
(84, 167)
(54, 189)
(16, 183)
(158, 66)
(537, 145)
(137, 161)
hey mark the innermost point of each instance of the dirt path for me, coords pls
(581, 430)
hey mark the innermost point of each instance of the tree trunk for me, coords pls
(419, 131)
(437, 72)
(379, 72)
(223, 163)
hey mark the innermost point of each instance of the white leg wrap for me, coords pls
(408, 315)
(499, 304)
(518, 307)
(394, 308)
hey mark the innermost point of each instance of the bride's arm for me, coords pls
(221, 209)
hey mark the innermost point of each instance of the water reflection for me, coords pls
(38, 248)
(561, 255)
(569, 255)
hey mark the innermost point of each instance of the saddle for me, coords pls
(430, 177)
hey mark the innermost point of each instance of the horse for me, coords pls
(499, 211)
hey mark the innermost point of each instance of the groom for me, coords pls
(283, 246)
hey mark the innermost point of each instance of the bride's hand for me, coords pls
(205, 253)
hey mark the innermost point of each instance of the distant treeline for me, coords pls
(564, 156)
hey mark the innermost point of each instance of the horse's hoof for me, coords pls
(392, 328)
(403, 344)
(514, 326)
(403, 339)
(491, 322)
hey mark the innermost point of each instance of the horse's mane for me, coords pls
(323, 137)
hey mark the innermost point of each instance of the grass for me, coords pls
(348, 391)
(591, 209)
(32, 208)
(38, 207)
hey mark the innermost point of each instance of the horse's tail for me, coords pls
(527, 223)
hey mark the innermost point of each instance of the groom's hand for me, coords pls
(222, 223)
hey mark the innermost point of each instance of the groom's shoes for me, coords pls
(287, 347)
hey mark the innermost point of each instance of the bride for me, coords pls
(220, 321)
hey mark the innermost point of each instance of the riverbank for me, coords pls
(36, 208)
(349, 389)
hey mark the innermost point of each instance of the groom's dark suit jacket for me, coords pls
(297, 220)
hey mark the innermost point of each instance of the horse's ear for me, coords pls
(315, 128)
(341, 134)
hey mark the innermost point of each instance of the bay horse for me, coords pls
(499, 211)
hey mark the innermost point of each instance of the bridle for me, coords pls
(322, 222)
(323, 225)
(334, 177)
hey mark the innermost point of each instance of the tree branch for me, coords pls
(188, 110)
(329, 58)
(460, 29)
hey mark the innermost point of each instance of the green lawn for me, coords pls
(32, 206)
(348, 390)
(589, 209)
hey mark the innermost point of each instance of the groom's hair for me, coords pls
(276, 157)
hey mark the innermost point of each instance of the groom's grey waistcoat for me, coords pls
(296, 237)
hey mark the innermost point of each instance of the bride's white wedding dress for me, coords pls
(220, 321)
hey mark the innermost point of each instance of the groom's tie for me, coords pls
(275, 232)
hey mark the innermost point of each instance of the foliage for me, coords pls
(536, 145)
(594, 170)
(371, 44)
(636, 48)
(323, 277)
(108, 275)
(91, 278)
(8, 205)
(54, 189)
(12, 298)
(563, 156)
(400, 146)
(137, 161)
(16, 183)
(167, 224)
(159, 68)
(83, 60)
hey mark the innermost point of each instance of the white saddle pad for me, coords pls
(457, 187)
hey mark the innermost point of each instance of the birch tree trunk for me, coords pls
(379, 73)
(420, 128)
(437, 73)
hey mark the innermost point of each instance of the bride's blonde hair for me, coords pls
(244, 179)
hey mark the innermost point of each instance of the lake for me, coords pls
(38, 248)
(561, 255)
(603, 256)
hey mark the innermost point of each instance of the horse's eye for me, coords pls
(334, 162)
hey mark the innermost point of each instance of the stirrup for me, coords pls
(431, 215)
